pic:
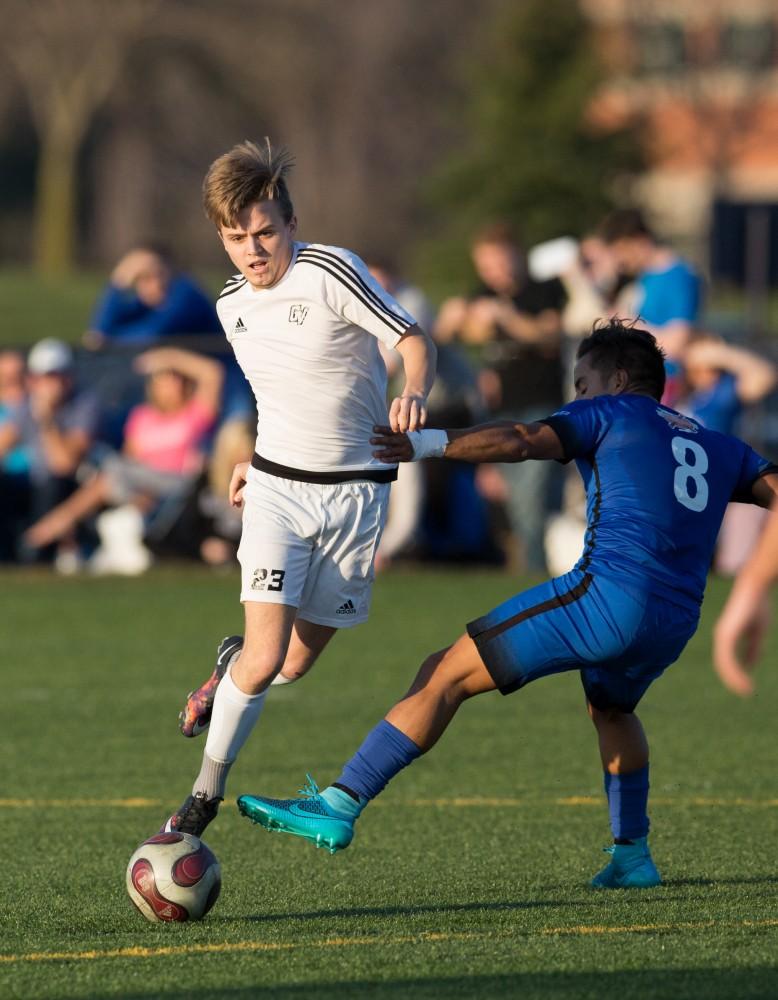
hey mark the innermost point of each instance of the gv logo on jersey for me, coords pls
(297, 314)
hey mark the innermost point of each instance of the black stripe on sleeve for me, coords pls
(747, 496)
(351, 288)
(229, 289)
(352, 272)
(348, 271)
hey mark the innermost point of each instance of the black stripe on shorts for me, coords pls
(481, 639)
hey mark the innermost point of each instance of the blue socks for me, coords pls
(628, 804)
(384, 753)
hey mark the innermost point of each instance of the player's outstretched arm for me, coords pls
(501, 441)
(408, 412)
(746, 616)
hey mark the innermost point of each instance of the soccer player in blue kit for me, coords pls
(657, 486)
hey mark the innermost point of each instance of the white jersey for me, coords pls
(309, 349)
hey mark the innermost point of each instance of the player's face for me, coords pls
(260, 243)
(590, 381)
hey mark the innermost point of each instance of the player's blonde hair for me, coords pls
(247, 173)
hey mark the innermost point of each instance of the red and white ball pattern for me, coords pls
(173, 877)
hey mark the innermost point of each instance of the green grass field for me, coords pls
(468, 878)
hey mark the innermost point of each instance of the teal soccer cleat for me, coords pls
(311, 817)
(631, 868)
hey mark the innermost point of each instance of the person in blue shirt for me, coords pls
(668, 290)
(147, 300)
(722, 380)
(657, 486)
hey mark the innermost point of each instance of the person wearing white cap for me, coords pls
(56, 427)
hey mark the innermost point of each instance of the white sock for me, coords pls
(234, 716)
(280, 679)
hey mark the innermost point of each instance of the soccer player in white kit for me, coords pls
(304, 321)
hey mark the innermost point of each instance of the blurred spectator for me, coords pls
(516, 323)
(55, 428)
(161, 459)
(147, 300)
(410, 298)
(14, 461)
(594, 287)
(406, 500)
(13, 394)
(434, 509)
(668, 291)
(721, 381)
(219, 523)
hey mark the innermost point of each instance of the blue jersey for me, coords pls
(657, 485)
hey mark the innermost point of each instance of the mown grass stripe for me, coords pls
(130, 803)
(424, 937)
(447, 803)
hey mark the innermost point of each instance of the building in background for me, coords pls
(699, 81)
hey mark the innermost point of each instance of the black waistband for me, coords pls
(323, 478)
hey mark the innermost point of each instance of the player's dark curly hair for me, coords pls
(615, 345)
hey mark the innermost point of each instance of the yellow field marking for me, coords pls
(138, 802)
(424, 937)
(458, 803)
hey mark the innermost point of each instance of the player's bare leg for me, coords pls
(237, 706)
(624, 755)
(446, 680)
(307, 642)
(622, 739)
(266, 639)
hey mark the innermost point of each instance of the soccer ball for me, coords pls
(173, 877)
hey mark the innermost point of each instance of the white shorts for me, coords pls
(311, 546)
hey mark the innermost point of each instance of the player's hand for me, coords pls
(738, 638)
(131, 266)
(408, 413)
(391, 446)
(238, 484)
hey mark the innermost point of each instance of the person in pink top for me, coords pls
(162, 453)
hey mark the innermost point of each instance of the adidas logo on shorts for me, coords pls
(347, 608)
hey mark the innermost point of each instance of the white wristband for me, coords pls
(427, 444)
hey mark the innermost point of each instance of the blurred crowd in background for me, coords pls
(119, 452)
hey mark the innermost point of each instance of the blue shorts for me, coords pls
(619, 638)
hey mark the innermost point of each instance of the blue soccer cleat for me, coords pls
(311, 817)
(631, 868)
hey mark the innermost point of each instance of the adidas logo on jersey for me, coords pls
(240, 326)
(347, 608)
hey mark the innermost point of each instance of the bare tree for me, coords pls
(68, 56)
